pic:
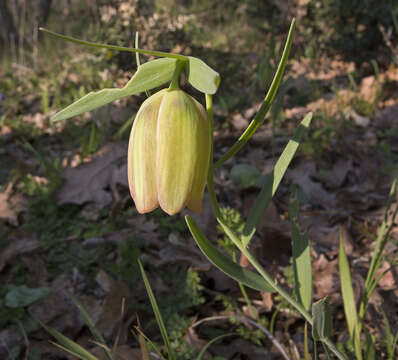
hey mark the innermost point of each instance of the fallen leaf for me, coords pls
(89, 182)
(11, 205)
(110, 316)
(302, 176)
(388, 281)
(339, 173)
(17, 247)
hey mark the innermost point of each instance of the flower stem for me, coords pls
(210, 174)
(174, 85)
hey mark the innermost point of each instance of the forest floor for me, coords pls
(69, 226)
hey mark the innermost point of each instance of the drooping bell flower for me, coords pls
(169, 153)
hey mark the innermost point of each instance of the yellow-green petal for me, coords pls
(142, 155)
(177, 147)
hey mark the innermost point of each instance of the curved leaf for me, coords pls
(272, 180)
(226, 265)
(201, 76)
(148, 76)
(266, 105)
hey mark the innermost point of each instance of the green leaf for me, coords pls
(322, 320)
(157, 313)
(272, 181)
(148, 76)
(266, 105)
(226, 265)
(201, 76)
(347, 292)
(301, 260)
(89, 322)
(245, 175)
(69, 345)
(370, 348)
(21, 296)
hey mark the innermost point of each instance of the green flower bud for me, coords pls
(169, 153)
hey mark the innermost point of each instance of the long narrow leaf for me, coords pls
(89, 322)
(301, 260)
(226, 265)
(157, 313)
(69, 345)
(273, 180)
(347, 291)
(113, 47)
(266, 105)
(148, 76)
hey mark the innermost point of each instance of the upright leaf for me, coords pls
(201, 76)
(272, 181)
(322, 327)
(148, 76)
(350, 308)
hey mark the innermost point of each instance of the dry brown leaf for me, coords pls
(302, 176)
(339, 173)
(88, 182)
(16, 248)
(388, 281)
(11, 205)
(110, 316)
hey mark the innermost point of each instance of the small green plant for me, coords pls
(355, 315)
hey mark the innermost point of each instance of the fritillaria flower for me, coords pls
(169, 153)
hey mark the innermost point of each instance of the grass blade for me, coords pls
(273, 180)
(89, 322)
(69, 345)
(156, 311)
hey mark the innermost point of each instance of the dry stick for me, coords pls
(245, 320)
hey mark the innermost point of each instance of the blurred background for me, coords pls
(68, 224)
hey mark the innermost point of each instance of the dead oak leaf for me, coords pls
(89, 182)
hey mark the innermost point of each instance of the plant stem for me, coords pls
(276, 286)
(112, 47)
(174, 85)
(210, 174)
